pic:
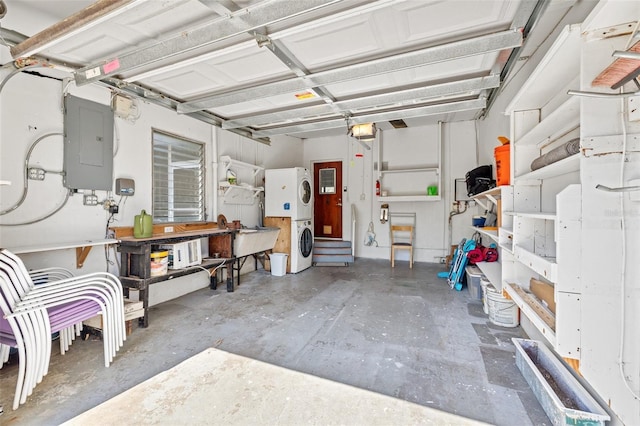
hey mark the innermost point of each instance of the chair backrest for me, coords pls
(401, 234)
(12, 265)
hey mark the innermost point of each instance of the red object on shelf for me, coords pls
(378, 188)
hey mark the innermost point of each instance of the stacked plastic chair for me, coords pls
(33, 313)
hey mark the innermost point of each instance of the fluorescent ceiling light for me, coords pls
(364, 132)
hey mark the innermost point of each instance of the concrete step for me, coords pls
(331, 243)
(332, 258)
(332, 250)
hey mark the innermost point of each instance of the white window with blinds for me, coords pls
(178, 179)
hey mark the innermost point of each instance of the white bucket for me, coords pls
(502, 312)
(278, 264)
(484, 284)
(159, 263)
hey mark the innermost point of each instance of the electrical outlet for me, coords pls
(90, 200)
(113, 209)
(168, 229)
(36, 173)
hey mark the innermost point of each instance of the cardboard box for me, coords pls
(132, 310)
(544, 292)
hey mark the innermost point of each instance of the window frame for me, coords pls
(170, 217)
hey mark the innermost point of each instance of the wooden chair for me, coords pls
(401, 239)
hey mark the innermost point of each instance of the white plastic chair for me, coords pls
(30, 310)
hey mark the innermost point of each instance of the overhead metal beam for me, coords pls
(333, 123)
(398, 98)
(88, 17)
(447, 52)
(239, 22)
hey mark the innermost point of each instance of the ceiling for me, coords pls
(302, 68)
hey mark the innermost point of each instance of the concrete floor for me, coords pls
(398, 332)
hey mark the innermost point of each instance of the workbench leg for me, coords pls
(230, 277)
(144, 296)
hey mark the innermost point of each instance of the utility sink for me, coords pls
(254, 240)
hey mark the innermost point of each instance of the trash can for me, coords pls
(278, 264)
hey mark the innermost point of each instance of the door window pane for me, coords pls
(327, 181)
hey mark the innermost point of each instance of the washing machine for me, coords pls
(301, 244)
(288, 193)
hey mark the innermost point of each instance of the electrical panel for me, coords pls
(88, 144)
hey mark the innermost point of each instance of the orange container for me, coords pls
(501, 154)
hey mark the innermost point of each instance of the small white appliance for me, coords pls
(288, 193)
(186, 253)
(301, 245)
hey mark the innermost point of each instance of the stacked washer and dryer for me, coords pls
(288, 193)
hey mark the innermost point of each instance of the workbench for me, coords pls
(233, 246)
(135, 268)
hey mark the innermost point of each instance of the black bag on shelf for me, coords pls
(479, 180)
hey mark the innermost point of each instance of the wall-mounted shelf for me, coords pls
(493, 272)
(491, 233)
(545, 266)
(558, 67)
(560, 121)
(5, 182)
(401, 177)
(228, 162)
(391, 198)
(490, 196)
(239, 194)
(564, 166)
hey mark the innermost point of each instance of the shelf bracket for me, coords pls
(81, 255)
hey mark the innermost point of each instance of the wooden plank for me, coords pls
(75, 22)
(283, 243)
(540, 310)
(544, 292)
(158, 229)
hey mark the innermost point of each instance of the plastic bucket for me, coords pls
(486, 286)
(501, 154)
(474, 276)
(159, 263)
(502, 312)
(278, 264)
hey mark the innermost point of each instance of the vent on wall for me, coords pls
(398, 124)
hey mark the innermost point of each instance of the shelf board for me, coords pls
(392, 198)
(491, 233)
(562, 167)
(493, 272)
(532, 215)
(562, 120)
(545, 266)
(413, 170)
(492, 195)
(5, 182)
(228, 162)
(508, 247)
(538, 215)
(558, 67)
(506, 231)
(543, 320)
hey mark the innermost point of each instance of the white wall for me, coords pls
(413, 145)
(283, 152)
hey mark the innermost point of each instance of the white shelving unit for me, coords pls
(404, 181)
(239, 193)
(543, 116)
(491, 200)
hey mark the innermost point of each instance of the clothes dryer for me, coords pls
(288, 193)
(301, 245)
